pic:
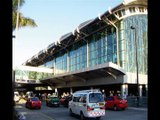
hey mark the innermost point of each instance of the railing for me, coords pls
(132, 101)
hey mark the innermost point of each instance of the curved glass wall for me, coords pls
(128, 49)
(103, 47)
(78, 56)
(61, 63)
(49, 64)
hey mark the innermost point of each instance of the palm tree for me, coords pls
(23, 21)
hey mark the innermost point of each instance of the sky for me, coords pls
(54, 19)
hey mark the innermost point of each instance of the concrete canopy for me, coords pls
(107, 70)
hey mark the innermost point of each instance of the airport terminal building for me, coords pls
(109, 52)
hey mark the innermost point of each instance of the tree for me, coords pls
(23, 21)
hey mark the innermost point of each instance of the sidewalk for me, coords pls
(138, 108)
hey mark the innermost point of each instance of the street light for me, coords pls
(133, 28)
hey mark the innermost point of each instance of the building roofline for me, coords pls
(64, 40)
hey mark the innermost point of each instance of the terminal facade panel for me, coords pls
(101, 53)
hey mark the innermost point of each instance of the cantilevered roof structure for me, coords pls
(85, 77)
(82, 31)
(113, 72)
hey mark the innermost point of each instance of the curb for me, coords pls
(135, 108)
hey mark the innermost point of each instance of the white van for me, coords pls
(87, 104)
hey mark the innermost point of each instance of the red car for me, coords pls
(65, 100)
(33, 102)
(116, 103)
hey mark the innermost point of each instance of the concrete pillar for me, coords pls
(140, 90)
(146, 86)
(71, 91)
(56, 91)
(124, 90)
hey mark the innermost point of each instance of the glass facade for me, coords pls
(102, 48)
(78, 56)
(61, 62)
(49, 64)
(127, 41)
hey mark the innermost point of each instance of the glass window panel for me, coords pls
(140, 21)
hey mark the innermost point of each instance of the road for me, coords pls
(61, 113)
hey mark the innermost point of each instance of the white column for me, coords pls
(124, 90)
(71, 90)
(146, 86)
(56, 91)
(140, 90)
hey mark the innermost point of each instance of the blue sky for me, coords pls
(54, 19)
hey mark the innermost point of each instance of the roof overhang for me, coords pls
(26, 85)
(83, 31)
(99, 71)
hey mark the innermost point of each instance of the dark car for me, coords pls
(53, 101)
(115, 103)
(65, 100)
(33, 102)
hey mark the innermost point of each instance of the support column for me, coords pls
(140, 90)
(56, 91)
(71, 91)
(146, 86)
(124, 91)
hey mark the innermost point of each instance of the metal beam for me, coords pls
(110, 73)
(81, 78)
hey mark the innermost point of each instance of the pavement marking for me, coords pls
(47, 116)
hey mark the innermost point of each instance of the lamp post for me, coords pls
(133, 28)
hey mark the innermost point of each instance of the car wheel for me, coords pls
(82, 116)
(49, 104)
(115, 108)
(98, 118)
(29, 107)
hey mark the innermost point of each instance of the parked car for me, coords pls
(116, 103)
(53, 101)
(33, 102)
(65, 100)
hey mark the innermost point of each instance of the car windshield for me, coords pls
(35, 99)
(54, 98)
(95, 97)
